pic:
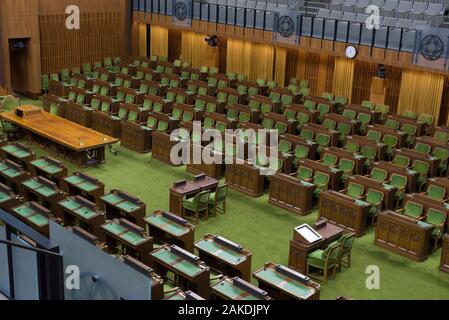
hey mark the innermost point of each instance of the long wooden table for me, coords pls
(76, 143)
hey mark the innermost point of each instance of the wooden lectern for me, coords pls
(379, 90)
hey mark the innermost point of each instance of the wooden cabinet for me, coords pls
(135, 137)
(245, 178)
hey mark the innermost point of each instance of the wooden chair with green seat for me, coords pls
(310, 105)
(344, 256)
(435, 192)
(303, 118)
(281, 127)
(393, 124)
(271, 84)
(323, 141)
(45, 82)
(197, 205)
(349, 114)
(241, 77)
(327, 95)
(410, 114)
(352, 146)
(375, 198)
(369, 153)
(301, 152)
(8, 104)
(355, 190)
(293, 88)
(374, 135)
(427, 119)
(411, 130)
(321, 181)
(368, 104)
(305, 174)
(293, 82)
(400, 183)
(347, 167)
(422, 168)
(217, 200)
(413, 210)
(290, 114)
(379, 175)
(422, 147)
(342, 100)
(438, 219)
(383, 109)
(329, 160)
(267, 123)
(391, 142)
(441, 135)
(401, 161)
(304, 84)
(330, 124)
(323, 260)
(323, 109)
(364, 119)
(345, 130)
(285, 146)
(443, 155)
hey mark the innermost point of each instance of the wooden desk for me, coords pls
(106, 123)
(82, 184)
(78, 114)
(8, 199)
(335, 174)
(300, 248)
(12, 174)
(237, 289)
(77, 211)
(444, 264)
(283, 283)
(403, 235)
(388, 191)
(290, 193)
(245, 178)
(338, 118)
(402, 136)
(214, 170)
(412, 176)
(188, 189)
(344, 211)
(162, 146)
(191, 273)
(119, 204)
(133, 239)
(421, 127)
(49, 168)
(415, 155)
(225, 256)
(81, 145)
(136, 137)
(362, 141)
(169, 228)
(358, 160)
(18, 153)
(42, 191)
(34, 215)
(375, 115)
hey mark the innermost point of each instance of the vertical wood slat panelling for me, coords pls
(444, 108)
(175, 44)
(363, 74)
(312, 65)
(330, 73)
(99, 36)
(394, 75)
(291, 67)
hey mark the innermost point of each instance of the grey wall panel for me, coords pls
(205, 12)
(115, 279)
(394, 39)
(380, 38)
(4, 268)
(269, 21)
(231, 16)
(26, 279)
(354, 33)
(367, 37)
(155, 8)
(148, 5)
(408, 40)
(221, 14)
(306, 26)
(250, 18)
(169, 7)
(318, 27)
(260, 19)
(240, 17)
(163, 6)
(196, 11)
(342, 31)
(213, 13)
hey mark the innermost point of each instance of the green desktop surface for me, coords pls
(46, 166)
(111, 199)
(276, 279)
(81, 183)
(166, 225)
(4, 196)
(75, 207)
(73, 179)
(32, 216)
(38, 187)
(123, 233)
(177, 263)
(15, 151)
(233, 292)
(220, 251)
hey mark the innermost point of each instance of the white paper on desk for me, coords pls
(308, 233)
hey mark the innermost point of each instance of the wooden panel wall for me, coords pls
(99, 36)
(363, 74)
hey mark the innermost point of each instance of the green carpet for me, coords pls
(266, 230)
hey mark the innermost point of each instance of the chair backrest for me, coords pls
(220, 195)
(398, 181)
(374, 135)
(390, 140)
(307, 134)
(441, 153)
(304, 173)
(441, 135)
(323, 139)
(378, 174)
(347, 242)
(374, 196)
(350, 114)
(436, 217)
(309, 104)
(421, 166)
(423, 147)
(436, 192)
(391, 123)
(413, 209)
(329, 123)
(346, 165)
(321, 180)
(331, 252)
(401, 161)
(285, 146)
(329, 160)
(368, 104)
(409, 114)
(355, 190)
(352, 147)
(426, 118)
(301, 152)
(368, 152)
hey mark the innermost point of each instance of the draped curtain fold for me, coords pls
(421, 92)
(280, 65)
(253, 59)
(159, 41)
(143, 39)
(194, 49)
(343, 77)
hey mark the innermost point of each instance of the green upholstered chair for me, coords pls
(123, 113)
(411, 130)
(217, 200)
(393, 124)
(267, 123)
(162, 126)
(80, 99)
(438, 219)
(375, 198)
(426, 118)
(293, 82)
(379, 175)
(305, 174)
(329, 160)
(65, 76)
(45, 82)
(441, 135)
(221, 126)
(290, 114)
(266, 108)
(410, 114)
(347, 166)
(307, 134)
(310, 105)
(133, 116)
(176, 113)
(305, 92)
(350, 114)
(293, 89)
(364, 119)
(275, 96)
(423, 147)
(436, 192)
(187, 117)
(368, 104)
(321, 181)
(95, 103)
(272, 84)
(323, 141)
(374, 135)
(324, 260)
(413, 210)
(209, 123)
(213, 70)
(254, 105)
(303, 118)
(281, 127)
(322, 109)
(352, 146)
(285, 146)
(200, 105)
(341, 100)
(301, 152)
(87, 69)
(383, 109)
(253, 91)
(304, 84)
(355, 190)
(105, 107)
(344, 255)
(244, 117)
(329, 123)
(422, 168)
(241, 77)
(327, 95)
(443, 155)
(391, 142)
(54, 76)
(197, 205)
(7, 104)
(152, 123)
(401, 161)
(370, 153)
(344, 129)
(231, 75)
(286, 100)
(400, 182)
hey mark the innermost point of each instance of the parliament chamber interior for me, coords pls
(349, 97)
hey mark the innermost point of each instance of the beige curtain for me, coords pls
(421, 92)
(196, 51)
(253, 59)
(143, 39)
(159, 41)
(343, 77)
(280, 65)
